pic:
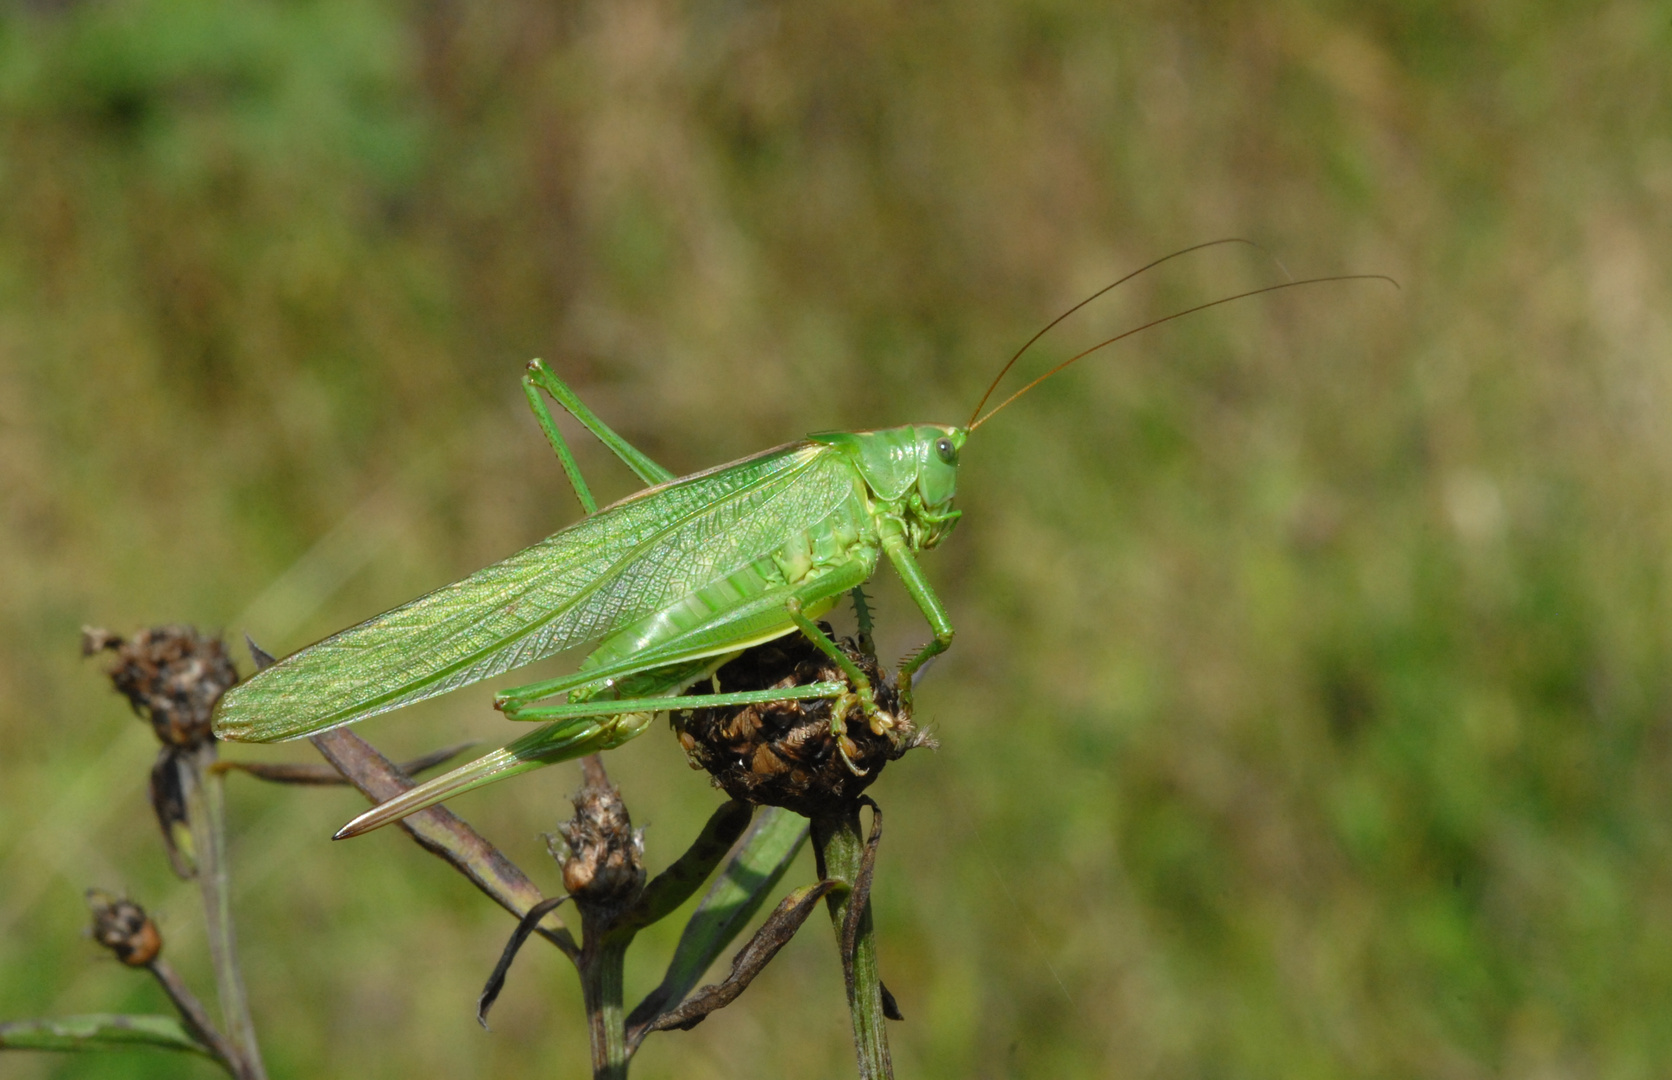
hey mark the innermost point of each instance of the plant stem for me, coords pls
(601, 984)
(193, 1014)
(840, 848)
(206, 813)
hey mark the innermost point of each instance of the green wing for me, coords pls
(624, 563)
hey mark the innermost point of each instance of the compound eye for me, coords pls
(946, 451)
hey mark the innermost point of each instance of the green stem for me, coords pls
(206, 814)
(601, 984)
(840, 846)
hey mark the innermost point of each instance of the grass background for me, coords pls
(1309, 715)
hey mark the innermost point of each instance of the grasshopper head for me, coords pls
(914, 469)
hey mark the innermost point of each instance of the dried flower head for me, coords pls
(602, 855)
(783, 753)
(171, 675)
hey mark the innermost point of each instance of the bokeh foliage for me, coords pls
(1309, 714)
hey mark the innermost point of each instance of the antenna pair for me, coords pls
(976, 417)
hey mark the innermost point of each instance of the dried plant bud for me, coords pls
(783, 753)
(123, 927)
(604, 863)
(171, 675)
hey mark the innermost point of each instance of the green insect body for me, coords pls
(669, 583)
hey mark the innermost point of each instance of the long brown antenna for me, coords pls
(1005, 370)
(1169, 318)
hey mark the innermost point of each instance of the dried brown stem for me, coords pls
(442, 833)
(308, 774)
(195, 1016)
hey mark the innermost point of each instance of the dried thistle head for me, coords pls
(602, 855)
(783, 753)
(171, 675)
(123, 927)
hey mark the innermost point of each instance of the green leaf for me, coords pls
(99, 1031)
(748, 876)
(673, 886)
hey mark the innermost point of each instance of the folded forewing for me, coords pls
(623, 563)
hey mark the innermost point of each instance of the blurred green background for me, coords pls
(1309, 715)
